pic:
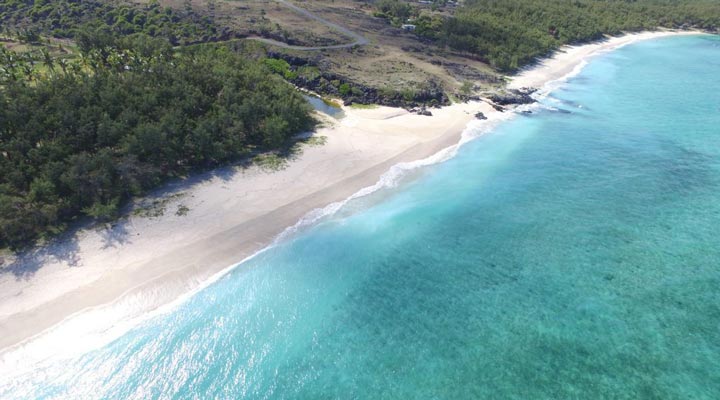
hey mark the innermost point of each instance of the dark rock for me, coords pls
(425, 112)
(292, 60)
(513, 96)
(480, 116)
(498, 107)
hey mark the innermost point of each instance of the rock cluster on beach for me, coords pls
(513, 96)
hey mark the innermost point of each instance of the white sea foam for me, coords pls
(553, 85)
(396, 173)
(96, 327)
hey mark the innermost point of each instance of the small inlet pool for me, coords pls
(323, 107)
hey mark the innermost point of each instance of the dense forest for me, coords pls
(118, 121)
(68, 18)
(509, 34)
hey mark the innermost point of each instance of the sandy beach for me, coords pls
(215, 220)
(570, 59)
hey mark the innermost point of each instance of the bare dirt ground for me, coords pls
(393, 57)
(347, 40)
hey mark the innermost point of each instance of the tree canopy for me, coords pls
(69, 18)
(509, 34)
(83, 140)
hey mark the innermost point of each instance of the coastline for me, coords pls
(569, 60)
(227, 223)
(167, 256)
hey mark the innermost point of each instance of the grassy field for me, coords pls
(58, 49)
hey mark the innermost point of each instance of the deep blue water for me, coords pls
(572, 253)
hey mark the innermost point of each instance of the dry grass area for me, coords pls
(394, 58)
(266, 18)
(58, 48)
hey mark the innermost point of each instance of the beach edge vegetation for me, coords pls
(82, 139)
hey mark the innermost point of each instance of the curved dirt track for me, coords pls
(358, 40)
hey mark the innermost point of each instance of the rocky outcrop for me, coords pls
(513, 96)
(330, 84)
(424, 111)
(498, 107)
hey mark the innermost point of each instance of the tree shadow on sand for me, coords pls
(65, 247)
(27, 262)
(115, 235)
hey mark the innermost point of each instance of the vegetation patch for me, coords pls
(182, 210)
(359, 106)
(91, 22)
(280, 67)
(270, 162)
(509, 34)
(121, 120)
(155, 208)
(315, 140)
(331, 103)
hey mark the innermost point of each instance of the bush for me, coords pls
(344, 89)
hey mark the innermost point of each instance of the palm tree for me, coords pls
(114, 60)
(29, 71)
(84, 62)
(63, 66)
(7, 74)
(48, 61)
(92, 59)
(76, 67)
(11, 66)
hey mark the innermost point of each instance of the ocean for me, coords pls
(573, 252)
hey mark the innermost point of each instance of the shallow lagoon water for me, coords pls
(320, 105)
(566, 254)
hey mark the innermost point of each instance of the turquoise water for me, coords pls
(572, 253)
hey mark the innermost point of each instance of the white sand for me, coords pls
(144, 263)
(566, 61)
(231, 215)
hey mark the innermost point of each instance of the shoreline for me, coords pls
(75, 283)
(225, 222)
(568, 61)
